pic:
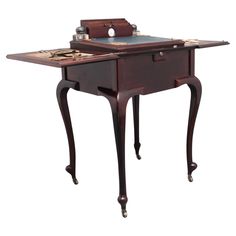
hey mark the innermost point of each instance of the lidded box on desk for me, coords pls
(114, 35)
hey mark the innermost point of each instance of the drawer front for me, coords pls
(154, 72)
(93, 75)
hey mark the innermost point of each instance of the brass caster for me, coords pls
(124, 213)
(190, 178)
(75, 181)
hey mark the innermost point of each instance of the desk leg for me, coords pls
(137, 144)
(118, 107)
(196, 91)
(62, 90)
(118, 102)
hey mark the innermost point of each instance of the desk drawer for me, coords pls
(154, 72)
(93, 75)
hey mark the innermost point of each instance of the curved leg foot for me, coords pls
(191, 168)
(62, 90)
(69, 169)
(196, 91)
(137, 147)
(137, 144)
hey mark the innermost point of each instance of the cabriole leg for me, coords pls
(196, 91)
(62, 90)
(118, 102)
(118, 107)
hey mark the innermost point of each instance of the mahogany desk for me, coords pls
(119, 76)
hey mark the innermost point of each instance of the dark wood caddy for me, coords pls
(120, 76)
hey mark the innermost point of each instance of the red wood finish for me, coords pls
(99, 28)
(93, 75)
(62, 90)
(106, 54)
(120, 76)
(29, 57)
(85, 44)
(155, 72)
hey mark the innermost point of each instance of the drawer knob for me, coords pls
(159, 57)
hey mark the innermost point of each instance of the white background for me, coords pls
(37, 197)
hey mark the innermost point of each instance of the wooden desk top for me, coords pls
(44, 57)
(68, 57)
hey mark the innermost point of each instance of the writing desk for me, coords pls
(107, 66)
